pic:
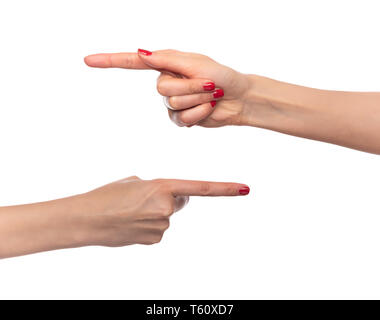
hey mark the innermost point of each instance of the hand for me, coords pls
(200, 91)
(135, 211)
(129, 211)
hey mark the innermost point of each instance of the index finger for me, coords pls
(126, 60)
(206, 188)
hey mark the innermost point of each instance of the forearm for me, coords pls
(350, 119)
(42, 226)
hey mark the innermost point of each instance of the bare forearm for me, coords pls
(350, 119)
(42, 226)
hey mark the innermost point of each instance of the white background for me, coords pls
(310, 229)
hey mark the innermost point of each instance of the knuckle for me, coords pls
(166, 224)
(183, 119)
(205, 188)
(203, 57)
(134, 178)
(127, 62)
(231, 190)
(193, 87)
(161, 88)
(170, 51)
(163, 224)
(152, 238)
(156, 238)
(173, 101)
(165, 211)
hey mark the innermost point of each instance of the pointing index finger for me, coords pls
(206, 188)
(125, 60)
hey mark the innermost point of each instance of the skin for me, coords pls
(350, 119)
(126, 212)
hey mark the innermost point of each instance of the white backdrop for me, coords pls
(310, 229)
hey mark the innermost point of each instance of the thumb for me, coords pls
(169, 60)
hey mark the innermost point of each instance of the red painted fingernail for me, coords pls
(218, 93)
(209, 86)
(144, 52)
(213, 103)
(244, 191)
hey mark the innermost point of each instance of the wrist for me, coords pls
(94, 220)
(271, 104)
(68, 222)
(84, 221)
(256, 110)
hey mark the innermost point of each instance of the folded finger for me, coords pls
(170, 86)
(193, 115)
(191, 100)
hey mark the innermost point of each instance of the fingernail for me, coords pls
(218, 93)
(209, 86)
(144, 52)
(213, 103)
(244, 191)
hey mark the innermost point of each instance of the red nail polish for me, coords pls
(144, 52)
(244, 191)
(213, 103)
(209, 86)
(218, 93)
